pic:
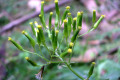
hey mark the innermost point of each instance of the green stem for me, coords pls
(37, 55)
(86, 32)
(70, 67)
(74, 71)
(41, 51)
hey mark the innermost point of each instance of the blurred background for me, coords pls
(101, 45)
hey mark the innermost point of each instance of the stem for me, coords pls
(86, 32)
(37, 55)
(70, 67)
(41, 51)
(74, 71)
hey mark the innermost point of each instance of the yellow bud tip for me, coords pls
(35, 21)
(51, 13)
(65, 21)
(68, 7)
(31, 23)
(39, 26)
(40, 15)
(78, 13)
(42, 2)
(27, 58)
(79, 27)
(69, 13)
(69, 50)
(9, 38)
(93, 63)
(94, 10)
(37, 31)
(56, 1)
(23, 32)
(75, 18)
(56, 31)
(71, 44)
(103, 15)
(81, 12)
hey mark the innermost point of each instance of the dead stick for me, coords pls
(29, 16)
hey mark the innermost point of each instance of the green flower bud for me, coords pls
(36, 23)
(57, 7)
(31, 62)
(31, 40)
(42, 8)
(75, 34)
(42, 20)
(16, 44)
(32, 27)
(50, 19)
(71, 44)
(91, 69)
(98, 22)
(65, 53)
(38, 37)
(65, 29)
(69, 23)
(94, 17)
(79, 18)
(54, 38)
(65, 13)
(74, 24)
(41, 33)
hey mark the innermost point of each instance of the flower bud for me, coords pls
(32, 27)
(57, 13)
(42, 20)
(31, 62)
(31, 40)
(91, 69)
(75, 34)
(36, 23)
(74, 24)
(16, 44)
(65, 53)
(69, 50)
(42, 8)
(94, 17)
(65, 13)
(65, 28)
(98, 22)
(57, 7)
(69, 23)
(41, 33)
(50, 19)
(71, 44)
(38, 37)
(79, 18)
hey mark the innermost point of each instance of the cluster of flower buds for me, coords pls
(72, 27)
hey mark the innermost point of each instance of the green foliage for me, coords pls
(39, 41)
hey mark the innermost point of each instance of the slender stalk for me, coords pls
(70, 67)
(86, 32)
(74, 71)
(37, 55)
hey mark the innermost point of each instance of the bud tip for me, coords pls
(51, 13)
(39, 26)
(68, 7)
(65, 21)
(27, 58)
(71, 44)
(9, 38)
(69, 50)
